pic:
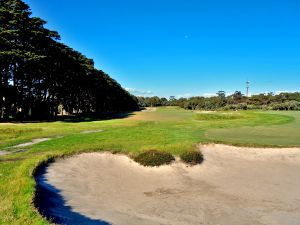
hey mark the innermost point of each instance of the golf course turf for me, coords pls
(167, 129)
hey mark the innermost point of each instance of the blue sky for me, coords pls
(184, 47)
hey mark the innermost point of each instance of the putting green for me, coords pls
(287, 134)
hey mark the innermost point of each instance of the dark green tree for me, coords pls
(38, 73)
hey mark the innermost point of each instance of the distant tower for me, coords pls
(172, 98)
(247, 88)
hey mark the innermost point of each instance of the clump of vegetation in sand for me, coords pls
(192, 157)
(154, 158)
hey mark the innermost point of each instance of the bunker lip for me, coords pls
(260, 185)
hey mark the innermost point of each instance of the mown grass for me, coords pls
(170, 130)
(280, 132)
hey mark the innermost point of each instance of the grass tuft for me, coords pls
(154, 158)
(192, 157)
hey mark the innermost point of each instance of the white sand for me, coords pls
(234, 186)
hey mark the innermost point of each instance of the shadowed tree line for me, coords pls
(40, 75)
(236, 101)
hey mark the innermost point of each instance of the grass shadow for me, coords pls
(75, 118)
(52, 205)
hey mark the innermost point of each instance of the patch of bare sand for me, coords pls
(233, 186)
(149, 109)
(204, 112)
(32, 142)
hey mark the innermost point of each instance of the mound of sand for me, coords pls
(233, 186)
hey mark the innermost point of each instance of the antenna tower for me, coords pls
(247, 88)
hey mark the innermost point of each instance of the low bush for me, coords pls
(154, 158)
(192, 157)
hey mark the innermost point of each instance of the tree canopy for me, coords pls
(38, 73)
(236, 101)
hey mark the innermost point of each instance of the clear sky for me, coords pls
(184, 47)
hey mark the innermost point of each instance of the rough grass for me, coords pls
(169, 130)
(18, 131)
(192, 157)
(218, 116)
(154, 158)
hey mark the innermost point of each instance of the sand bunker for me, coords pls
(234, 186)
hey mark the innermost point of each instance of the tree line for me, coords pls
(39, 74)
(236, 101)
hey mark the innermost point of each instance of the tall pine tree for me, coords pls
(38, 73)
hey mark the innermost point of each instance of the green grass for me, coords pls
(168, 129)
(276, 134)
(219, 116)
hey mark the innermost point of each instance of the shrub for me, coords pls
(289, 105)
(192, 157)
(253, 107)
(154, 158)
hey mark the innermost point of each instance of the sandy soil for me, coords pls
(204, 112)
(234, 186)
(149, 109)
(32, 142)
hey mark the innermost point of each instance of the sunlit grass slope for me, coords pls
(168, 129)
(286, 134)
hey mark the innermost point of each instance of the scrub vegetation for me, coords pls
(235, 101)
(154, 158)
(192, 157)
